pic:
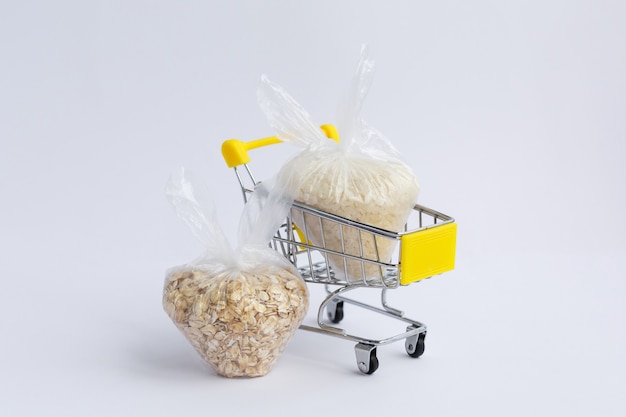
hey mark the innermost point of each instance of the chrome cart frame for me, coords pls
(313, 262)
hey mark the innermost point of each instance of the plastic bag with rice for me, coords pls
(361, 178)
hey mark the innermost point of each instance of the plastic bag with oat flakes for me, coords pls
(238, 307)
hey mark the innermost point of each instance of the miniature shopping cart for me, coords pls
(425, 248)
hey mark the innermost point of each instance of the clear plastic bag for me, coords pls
(237, 307)
(361, 178)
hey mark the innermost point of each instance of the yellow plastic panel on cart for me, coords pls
(426, 253)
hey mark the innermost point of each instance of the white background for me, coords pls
(512, 114)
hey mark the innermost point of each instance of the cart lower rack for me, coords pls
(425, 248)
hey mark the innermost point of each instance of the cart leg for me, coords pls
(366, 358)
(415, 344)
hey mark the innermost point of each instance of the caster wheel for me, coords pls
(366, 358)
(335, 311)
(415, 345)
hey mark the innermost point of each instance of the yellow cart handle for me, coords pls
(235, 152)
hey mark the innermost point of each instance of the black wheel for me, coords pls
(415, 348)
(337, 315)
(373, 363)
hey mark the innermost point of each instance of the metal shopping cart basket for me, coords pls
(424, 249)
